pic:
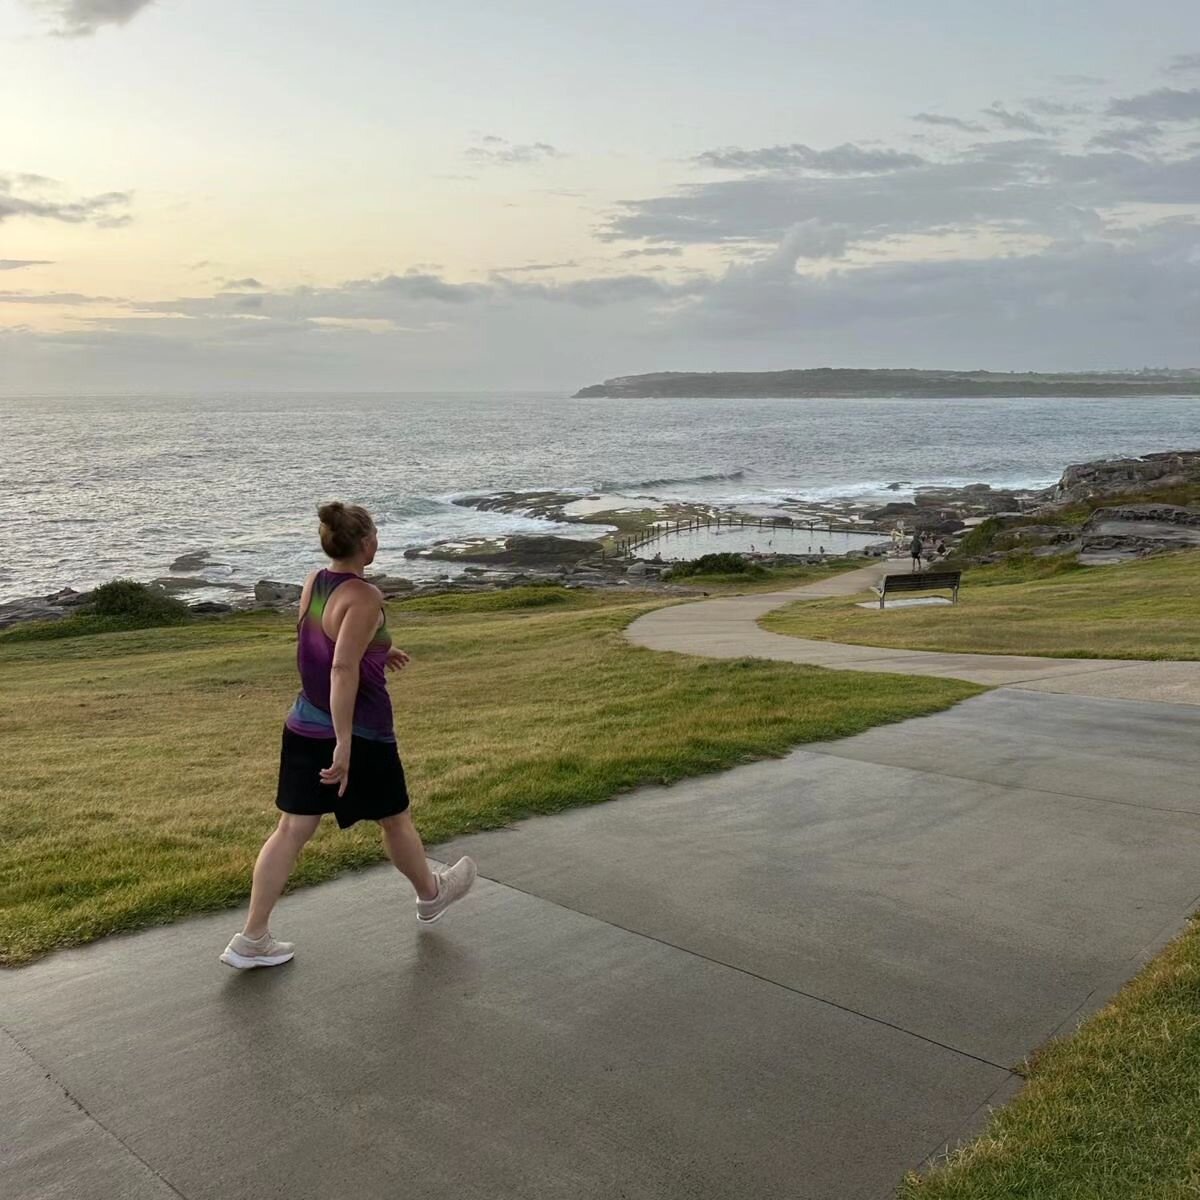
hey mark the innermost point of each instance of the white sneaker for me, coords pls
(243, 952)
(453, 884)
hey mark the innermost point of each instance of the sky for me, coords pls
(271, 195)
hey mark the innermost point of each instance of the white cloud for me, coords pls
(36, 197)
(83, 18)
(1183, 64)
(846, 159)
(1033, 187)
(498, 151)
(1020, 122)
(958, 123)
(1163, 104)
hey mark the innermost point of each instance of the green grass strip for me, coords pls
(1043, 606)
(1111, 1113)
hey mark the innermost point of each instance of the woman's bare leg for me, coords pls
(275, 862)
(405, 849)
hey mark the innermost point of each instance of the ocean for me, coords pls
(92, 488)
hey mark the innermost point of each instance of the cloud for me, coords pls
(36, 197)
(1074, 304)
(533, 267)
(1128, 137)
(652, 252)
(423, 285)
(498, 151)
(1035, 248)
(605, 290)
(949, 122)
(69, 299)
(15, 264)
(83, 18)
(1183, 63)
(846, 159)
(1010, 119)
(1025, 187)
(1163, 104)
(413, 298)
(1056, 108)
(1124, 298)
(359, 324)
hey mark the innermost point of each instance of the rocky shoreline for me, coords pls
(1039, 522)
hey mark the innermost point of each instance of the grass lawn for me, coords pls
(1112, 1113)
(141, 773)
(767, 579)
(1045, 606)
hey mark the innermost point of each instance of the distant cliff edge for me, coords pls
(837, 382)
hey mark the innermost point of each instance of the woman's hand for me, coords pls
(397, 660)
(338, 771)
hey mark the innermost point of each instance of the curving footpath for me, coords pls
(727, 628)
(789, 981)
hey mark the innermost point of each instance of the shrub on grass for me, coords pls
(121, 604)
(979, 540)
(718, 564)
(127, 598)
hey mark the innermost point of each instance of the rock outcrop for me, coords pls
(391, 585)
(1135, 530)
(271, 591)
(1114, 476)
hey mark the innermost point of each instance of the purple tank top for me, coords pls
(310, 715)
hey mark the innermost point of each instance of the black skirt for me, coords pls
(375, 789)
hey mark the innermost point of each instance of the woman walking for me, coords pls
(339, 750)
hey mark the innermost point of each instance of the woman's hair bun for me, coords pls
(344, 528)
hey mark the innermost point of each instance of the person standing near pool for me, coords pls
(915, 548)
(339, 752)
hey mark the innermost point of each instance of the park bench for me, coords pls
(919, 581)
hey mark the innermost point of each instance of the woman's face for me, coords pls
(370, 547)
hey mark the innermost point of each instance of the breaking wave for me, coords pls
(393, 511)
(611, 485)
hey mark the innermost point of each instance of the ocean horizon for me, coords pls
(100, 486)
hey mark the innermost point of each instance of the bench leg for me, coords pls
(881, 601)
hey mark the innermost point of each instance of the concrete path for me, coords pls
(727, 628)
(794, 980)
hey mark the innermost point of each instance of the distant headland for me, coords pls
(835, 382)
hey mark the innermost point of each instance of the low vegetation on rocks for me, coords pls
(718, 564)
(120, 605)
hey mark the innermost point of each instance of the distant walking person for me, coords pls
(339, 751)
(916, 546)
